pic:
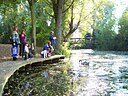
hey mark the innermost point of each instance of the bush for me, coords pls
(65, 50)
(41, 40)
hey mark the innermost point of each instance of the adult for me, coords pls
(22, 37)
(49, 46)
(52, 39)
(15, 42)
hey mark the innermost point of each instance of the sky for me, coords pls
(121, 5)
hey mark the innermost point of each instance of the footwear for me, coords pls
(14, 58)
(27, 59)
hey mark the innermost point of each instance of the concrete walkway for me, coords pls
(7, 68)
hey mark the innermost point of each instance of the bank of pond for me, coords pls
(86, 73)
(13, 81)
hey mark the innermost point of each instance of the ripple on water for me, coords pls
(107, 74)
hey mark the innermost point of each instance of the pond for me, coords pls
(87, 73)
(105, 75)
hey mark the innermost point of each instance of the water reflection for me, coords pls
(45, 74)
(42, 81)
(106, 74)
(89, 73)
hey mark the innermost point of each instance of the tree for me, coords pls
(45, 22)
(122, 37)
(72, 28)
(79, 17)
(9, 18)
(57, 8)
(32, 8)
(103, 25)
(73, 21)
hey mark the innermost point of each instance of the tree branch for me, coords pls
(69, 6)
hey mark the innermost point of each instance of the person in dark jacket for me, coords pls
(49, 46)
(52, 39)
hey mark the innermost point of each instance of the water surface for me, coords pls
(106, 74)
(87, 73)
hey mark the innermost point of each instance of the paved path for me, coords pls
(9, 67)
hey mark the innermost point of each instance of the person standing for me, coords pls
(52, 39)
(15, 42)
(22, 37)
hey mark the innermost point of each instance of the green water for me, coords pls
(47, 80)
(105, 75)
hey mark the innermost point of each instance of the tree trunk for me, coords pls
(57, 7)
(59, 26)
(31, 3)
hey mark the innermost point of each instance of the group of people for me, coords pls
(48, 49)
(20, 40)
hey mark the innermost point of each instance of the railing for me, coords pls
(82, 43)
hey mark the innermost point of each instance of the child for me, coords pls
(26, 51)
(30, 51)
(14, 51)
(45, 53)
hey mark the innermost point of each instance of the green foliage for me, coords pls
(42, 27)
(42, 40)
(94, 19)
(103, 29)
(122, 37)
(19, 15)
(65, 50)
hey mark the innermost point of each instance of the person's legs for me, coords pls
(21, 53)
(26, 56)
(45, 55)
(20, 46)
(15, 52)
(30, 55)
(42, 55)
(23, 46)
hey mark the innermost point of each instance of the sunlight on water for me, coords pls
(106, 74)
(90, 73)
